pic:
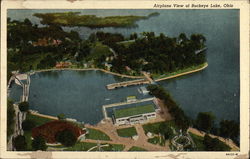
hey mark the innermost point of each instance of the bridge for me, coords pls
(146, 80)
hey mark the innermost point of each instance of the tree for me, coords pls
(165, 130)
(28, 125)
(39, 143)
(20, 143)
(205, 121)
(229, 129)
(61, 116)
(10, 117)
(23, 106)
(214, 144)
(66, 137)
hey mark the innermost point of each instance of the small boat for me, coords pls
(107, 99)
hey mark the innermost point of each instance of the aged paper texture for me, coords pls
(89, 70)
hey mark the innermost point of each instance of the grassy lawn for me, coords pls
(119, 113)
(152, 127)
(99, 50)
(127, 132)
(135, 148)
(198, 140)
(157, 140)
(114, 147)
(97, 135)
(38, 120)
(157, 76)
(27, 135)
(126, 43)
(81, 146)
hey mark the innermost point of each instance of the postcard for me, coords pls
(125, 79)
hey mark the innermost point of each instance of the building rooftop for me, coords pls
(125, 112)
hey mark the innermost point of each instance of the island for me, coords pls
(92, 21)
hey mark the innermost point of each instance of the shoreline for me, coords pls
(184, 73)
(195, 131)
(89, 69)
(121, 75)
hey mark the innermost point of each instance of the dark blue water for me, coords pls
(77, 94)
(216, 89)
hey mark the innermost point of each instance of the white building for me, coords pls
(133, 115)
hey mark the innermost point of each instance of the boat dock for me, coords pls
(127, 83)
(146, 80)
(122, 103)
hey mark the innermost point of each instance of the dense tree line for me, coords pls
(205, 121)
(27, 42)
(10, 117)
(180, 118)
(160, 54)
(214, 144)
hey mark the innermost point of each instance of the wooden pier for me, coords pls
(127, 83)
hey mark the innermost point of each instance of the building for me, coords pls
(133, 115)
(63, 64)
(143, 90)
(131, 99)
(107, 66)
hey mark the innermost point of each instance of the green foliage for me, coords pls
(97, 135)
(19, 143)
(161, 54)
(229, 129)
(135, 148)
(10, 117)
(205, 121)
(157, 140)
(23, 106)
(127, 132)
(28, 125)
(61, 116)
(180, 118)
(198, 141)
(37, 119)
(75, 19)
(99, 53)
(39, 143)
(214, 144)
(166, 130)
(66, 137)
(113, 147)
(81, 146)
(47, 62)
(152, 127)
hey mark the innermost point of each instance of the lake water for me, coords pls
(217, 89)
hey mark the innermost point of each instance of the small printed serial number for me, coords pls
(231, 154)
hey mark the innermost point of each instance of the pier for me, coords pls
(122, 103)
(18, 79)
(146, 80)
(127, 83)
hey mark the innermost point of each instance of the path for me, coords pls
(181, 74)
(110, 130)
